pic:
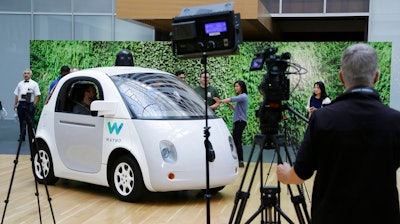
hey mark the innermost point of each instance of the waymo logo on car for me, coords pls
(115, 127)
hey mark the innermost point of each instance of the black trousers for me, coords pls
(238, 128)
(22, 110)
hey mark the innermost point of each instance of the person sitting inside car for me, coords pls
(88, 95)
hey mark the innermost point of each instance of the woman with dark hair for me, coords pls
(239, 115)
(318, 99)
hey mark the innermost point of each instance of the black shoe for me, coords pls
(241, 164)
(21, 139)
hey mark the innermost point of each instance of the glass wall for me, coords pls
(316, 6)
(302, 6)
(15, 5)
(56, 6)
(93, 28)
(52, 27)
(347, 6)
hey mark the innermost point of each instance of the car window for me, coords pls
(72, 92)
(160, 96)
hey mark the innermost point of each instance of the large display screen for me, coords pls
(215, 27)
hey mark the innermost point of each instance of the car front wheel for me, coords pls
(43, 166)
(127, 181)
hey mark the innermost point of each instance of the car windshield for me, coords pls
(160, 96)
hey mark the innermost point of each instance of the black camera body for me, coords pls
(275, 87)
(27, 97)
(275, 84)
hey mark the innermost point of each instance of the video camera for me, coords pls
(215, 33)
(27, 97)
(274, 87)
(275, 84)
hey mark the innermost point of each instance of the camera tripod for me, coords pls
(33, 150)
(269, 208)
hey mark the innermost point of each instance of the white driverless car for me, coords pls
(144, 131)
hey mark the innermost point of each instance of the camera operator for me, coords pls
(354, 147)
(27, 95)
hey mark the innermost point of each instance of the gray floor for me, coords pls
(9, 133)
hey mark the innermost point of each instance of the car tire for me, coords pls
(42, 166)
(126, 180)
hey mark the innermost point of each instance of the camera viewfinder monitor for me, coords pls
(257, 63)
(215, 28)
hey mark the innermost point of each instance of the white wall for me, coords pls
(384, 26)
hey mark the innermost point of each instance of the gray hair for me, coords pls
(28, 70)
(359, 64)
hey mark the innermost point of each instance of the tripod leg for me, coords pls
(280, 211)
(259, 211)
(241, 196)
(31, 139)
(269, 204)
(38, 201)
(300, 208)
(34, 148)
(299, 199)
(12, 177)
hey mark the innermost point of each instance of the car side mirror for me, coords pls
(104, 108)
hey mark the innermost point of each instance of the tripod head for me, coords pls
(271, 116)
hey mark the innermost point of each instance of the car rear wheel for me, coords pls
(43, 166)
(127, 181)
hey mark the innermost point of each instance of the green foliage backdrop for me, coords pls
(320, 59)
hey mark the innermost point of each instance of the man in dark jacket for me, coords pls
(354, 146)
(65, 70)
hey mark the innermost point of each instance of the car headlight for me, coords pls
(168, 151)
(233, 148)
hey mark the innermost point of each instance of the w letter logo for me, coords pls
(114, 127)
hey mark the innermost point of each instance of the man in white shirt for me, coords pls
(27, 95)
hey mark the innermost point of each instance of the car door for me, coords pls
(78, 136)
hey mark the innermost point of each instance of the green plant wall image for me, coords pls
(321, 60)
